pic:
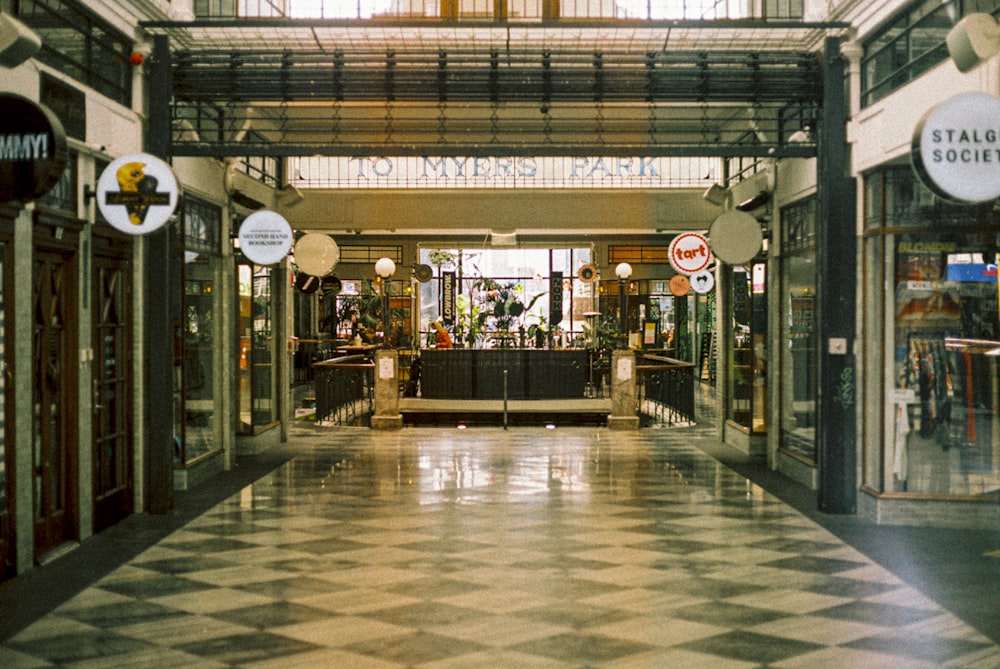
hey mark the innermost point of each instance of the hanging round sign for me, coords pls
(33, 149)
(587, 273)
(423, 273)
(689, 253)
(736, 237)
(703, 282)
(332, 284)
(956, 148)
(265, 237)
(137, 193)
(307, 283)
(316, 253)
(679, 285)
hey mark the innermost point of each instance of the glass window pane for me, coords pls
(946, 337)
(798, 365)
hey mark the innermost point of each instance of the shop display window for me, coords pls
(946, 341)
(503, 298)
(196, 338)
(937, 265)
(257, 381)
(798, 330)
(747, 390)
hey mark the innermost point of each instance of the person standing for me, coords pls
(441, 337)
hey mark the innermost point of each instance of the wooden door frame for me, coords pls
(112, 250)
(51, 239)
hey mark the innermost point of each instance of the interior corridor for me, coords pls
(440, 548)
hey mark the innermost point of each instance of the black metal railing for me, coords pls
(666, 390)
(345, 390)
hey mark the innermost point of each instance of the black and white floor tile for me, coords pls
(529, 548)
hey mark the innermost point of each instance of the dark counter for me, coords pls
(478, 373)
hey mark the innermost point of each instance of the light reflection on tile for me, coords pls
(525, 548)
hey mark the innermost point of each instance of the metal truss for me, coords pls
(290, 88)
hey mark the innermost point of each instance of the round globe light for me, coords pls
(385, 267)
(623, 271)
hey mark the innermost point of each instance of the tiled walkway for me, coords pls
(438, 548)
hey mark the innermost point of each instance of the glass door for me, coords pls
(257, 380)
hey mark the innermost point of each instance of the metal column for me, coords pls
(836, 287)
(158, 385)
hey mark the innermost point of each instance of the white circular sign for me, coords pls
(956, 148)
(689, 253)
(703, 282)
(265, 237)
(137, 193)
(316, 253)
(736, 237)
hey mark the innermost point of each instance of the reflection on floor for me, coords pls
(439, 548)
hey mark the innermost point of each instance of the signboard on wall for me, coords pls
(956, 148)
(448, 297)
(32, 149)
(137, 193)
(556, 298)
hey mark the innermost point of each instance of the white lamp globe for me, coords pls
(385, 267)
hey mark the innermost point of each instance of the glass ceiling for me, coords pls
(312, 34)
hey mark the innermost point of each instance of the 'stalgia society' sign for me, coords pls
(32, 149)
(137, 193)
(956, 148)
(265, 237)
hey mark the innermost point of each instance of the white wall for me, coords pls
(883, 132)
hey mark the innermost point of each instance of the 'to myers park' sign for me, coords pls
(32, 149)
(956, 148)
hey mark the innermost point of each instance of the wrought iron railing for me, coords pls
(344, 390)
(666, 390)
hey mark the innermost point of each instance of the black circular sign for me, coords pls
(32, 149)
(423, 273)
(332, 284)
(307, 283)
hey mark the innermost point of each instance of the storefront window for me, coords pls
(472, 292)
(945, 366)
(197, 423)
(257, 391)
(941, 414)
(747, 391)
(798, 324)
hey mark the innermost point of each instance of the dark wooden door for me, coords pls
(8, 566)
(54, 394)
(112, 435)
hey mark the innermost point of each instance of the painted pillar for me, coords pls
(386, 414)
(836, 240)
(624, 391)
(157, 386)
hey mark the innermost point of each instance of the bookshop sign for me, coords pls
(956, 148)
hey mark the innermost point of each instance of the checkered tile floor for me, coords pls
(527, 548)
